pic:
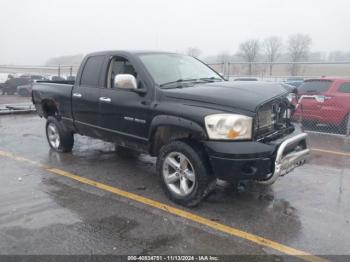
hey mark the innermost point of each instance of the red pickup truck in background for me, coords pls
(325, 101)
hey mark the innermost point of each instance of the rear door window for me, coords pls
(91, 71)
(344, 88)
(315, 86)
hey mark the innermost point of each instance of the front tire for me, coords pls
(59, 139)
(184, 172)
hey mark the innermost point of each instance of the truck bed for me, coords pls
(59, 92)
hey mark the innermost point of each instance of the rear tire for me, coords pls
(184, 172)
(59, 139)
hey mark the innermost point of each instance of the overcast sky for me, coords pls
(34, 30)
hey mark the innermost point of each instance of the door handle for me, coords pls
(77, 95)
(105, 99)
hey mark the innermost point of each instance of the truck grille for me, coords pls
(271, 117)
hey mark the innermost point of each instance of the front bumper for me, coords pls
(285, 161)
(252, 160)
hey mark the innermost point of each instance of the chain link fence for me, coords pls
(279, 71)
(323, 101)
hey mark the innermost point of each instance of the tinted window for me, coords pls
(122, 67)
(315, 86)
(345, 88)
(118, 66)
(91, 72)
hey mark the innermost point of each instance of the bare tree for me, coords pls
(298, 50)
(272, 48)
(194, 52)
(249, 51)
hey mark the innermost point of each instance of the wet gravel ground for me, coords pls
(42, 213)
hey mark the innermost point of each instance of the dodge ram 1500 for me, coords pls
(200, 126)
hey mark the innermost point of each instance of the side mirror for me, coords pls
(125, 81)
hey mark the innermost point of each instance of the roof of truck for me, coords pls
(134, 52)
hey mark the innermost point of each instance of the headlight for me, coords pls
(228, 126)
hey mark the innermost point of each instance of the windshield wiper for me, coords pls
(178, 81)
(205, 79)
(211, 79)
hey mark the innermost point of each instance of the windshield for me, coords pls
(314, 86)
(173, 68)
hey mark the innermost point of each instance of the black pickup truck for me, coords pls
(200, 126)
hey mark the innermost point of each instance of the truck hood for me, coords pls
(241, 95)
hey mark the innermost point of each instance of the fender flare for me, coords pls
(174, 121)
(47, 102)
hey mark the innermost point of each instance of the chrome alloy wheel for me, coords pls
(178, 173)
(53, 136)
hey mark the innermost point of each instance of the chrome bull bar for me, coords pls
(286, 163)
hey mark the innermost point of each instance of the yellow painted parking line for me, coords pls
(331, 152)
(176, 211)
